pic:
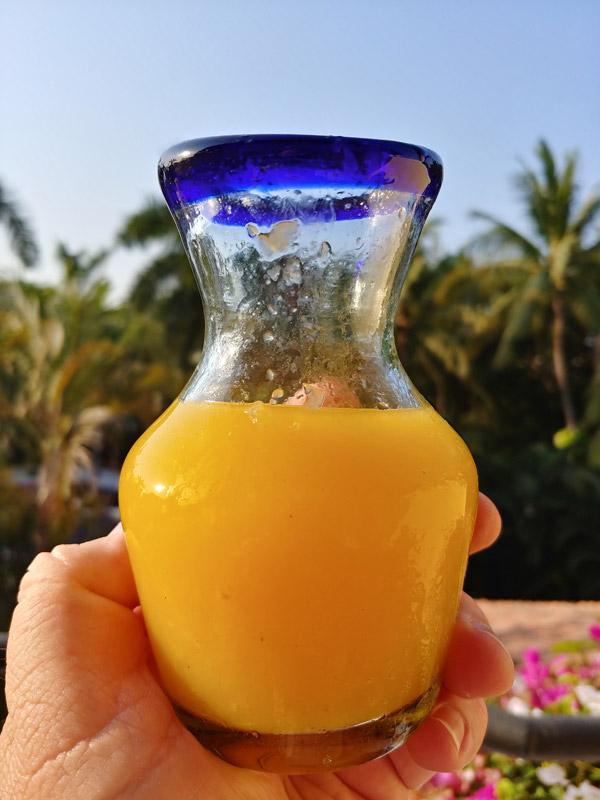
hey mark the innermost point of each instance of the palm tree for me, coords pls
(166, 286)
(560, 259)
(450, 313)
(51, 400)
(69, 363)
(20, 234)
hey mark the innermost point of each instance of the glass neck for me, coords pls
(303, 298)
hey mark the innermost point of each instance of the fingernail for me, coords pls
(453, 721)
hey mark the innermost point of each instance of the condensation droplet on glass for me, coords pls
(270, 374)
(327, 761)
(325, 249)
(271, 309)
(292, 271)
(252, 229)
(279, 237)
(277, 394)
(268, 337)
(274, 272)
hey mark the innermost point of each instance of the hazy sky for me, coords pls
(92, 92)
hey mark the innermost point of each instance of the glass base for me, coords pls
(297, 753)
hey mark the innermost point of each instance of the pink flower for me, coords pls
(491, 775)
(587, 673)
(595, 632)
(547, 695)
(559, 665)
(446, 780)
(533, 670)
(485, 793)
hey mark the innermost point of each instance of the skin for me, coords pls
(88, 718)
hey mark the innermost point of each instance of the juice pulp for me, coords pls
(299, 569)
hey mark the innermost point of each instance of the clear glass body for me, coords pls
(298, 520)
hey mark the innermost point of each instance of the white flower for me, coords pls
(518, 707)
(468, 775)
(552, 775)
(585, 791)
(587, 695)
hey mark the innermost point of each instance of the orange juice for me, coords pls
(299, 568)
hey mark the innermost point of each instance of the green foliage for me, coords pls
(573, 646)
(549, 547)
(166, 286)
(69, 364)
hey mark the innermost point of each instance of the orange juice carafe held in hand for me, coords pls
(298, 520)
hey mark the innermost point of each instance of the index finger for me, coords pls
(101, 566)
(487, 525)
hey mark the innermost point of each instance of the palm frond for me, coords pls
(86, 357)
(533, 196)
(586, 215)
(565, 195)
(150, 285)
(79, 268)
(504, 237)
(152, 223)
(534, 297)
(546, 157)
(455, 359)
(584, 304)
(586, 261)
(21, 236)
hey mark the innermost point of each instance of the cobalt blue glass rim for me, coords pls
(200, 169)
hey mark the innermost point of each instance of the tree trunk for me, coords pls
(559, 360)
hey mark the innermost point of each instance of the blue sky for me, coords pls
(91, 93)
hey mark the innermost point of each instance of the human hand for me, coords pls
(88, 719)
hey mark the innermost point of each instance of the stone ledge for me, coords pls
(522, 623)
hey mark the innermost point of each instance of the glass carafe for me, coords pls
(298, 520)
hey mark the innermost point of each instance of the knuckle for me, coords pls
(63, 552)
(45, 567)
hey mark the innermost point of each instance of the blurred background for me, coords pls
(499, 324)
